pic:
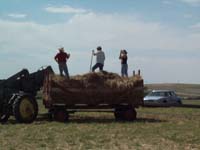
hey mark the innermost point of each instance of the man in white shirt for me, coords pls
(100, 58)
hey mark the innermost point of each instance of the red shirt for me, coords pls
(61, 57)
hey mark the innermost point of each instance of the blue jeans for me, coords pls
(124, 70)
(63, 67)
(97, 65)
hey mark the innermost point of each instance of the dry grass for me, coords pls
(156, 128)
(183, 90)
(99, 80)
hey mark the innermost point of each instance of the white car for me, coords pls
(162, 98)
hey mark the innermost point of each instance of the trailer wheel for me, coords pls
(60, 115)
(125, 114)
(25, 109)
(130, 114)
(119, 114)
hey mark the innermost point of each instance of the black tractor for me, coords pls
(17, 95)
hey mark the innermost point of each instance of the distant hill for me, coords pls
(191, 91)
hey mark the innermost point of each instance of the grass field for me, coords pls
(155, 129)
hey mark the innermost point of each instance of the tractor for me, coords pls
(18, 92)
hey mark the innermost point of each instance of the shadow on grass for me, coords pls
(105, 120)
(97, 119)
(170, 106)
(43, 119)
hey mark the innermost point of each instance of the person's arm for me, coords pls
(120, 55)
(94, 53)
(56, 58)
(104, 57)
(68, 56)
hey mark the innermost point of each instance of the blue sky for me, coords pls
(161, 36)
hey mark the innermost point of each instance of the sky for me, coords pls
(162, 37)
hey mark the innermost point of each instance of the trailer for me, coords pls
(93, 91)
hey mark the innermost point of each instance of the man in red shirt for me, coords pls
(61, 58)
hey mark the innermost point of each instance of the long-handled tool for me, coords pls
(91, 61)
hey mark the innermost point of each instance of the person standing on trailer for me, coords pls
(100, 58)
(61, 58)
(124, 66)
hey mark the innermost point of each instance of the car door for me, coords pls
(172, 97)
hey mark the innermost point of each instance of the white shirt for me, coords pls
(100, 57)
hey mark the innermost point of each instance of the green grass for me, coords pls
(192, 102)
(155, 129)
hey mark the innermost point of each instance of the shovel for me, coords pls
(91, 61)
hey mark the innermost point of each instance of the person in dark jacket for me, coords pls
(61, 58)
(124, 66)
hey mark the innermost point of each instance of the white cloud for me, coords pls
(192, 2)
(196, 26)
(36, 44)
(167, 70)
(17, 15)
(93, 29)
(64, 9)
(167, 2)
(188, 16)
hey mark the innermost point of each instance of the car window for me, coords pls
(163, 94)
(157, 94)
(173, 93)
(170, 94)
(167, 94)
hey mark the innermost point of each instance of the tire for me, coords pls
(125, 114)
(130, 114)
(60, 115)
(25, 109)
(179, 102)
(119, 114)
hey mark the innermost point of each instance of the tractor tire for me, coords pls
(25, 109)
(60, 115)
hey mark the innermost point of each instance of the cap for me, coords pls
(99, 48)
(61, 49)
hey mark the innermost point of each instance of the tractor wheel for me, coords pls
(25, 109)
(60, 115)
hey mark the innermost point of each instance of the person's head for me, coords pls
(99, 48)
(125, 52)
(61, 49)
